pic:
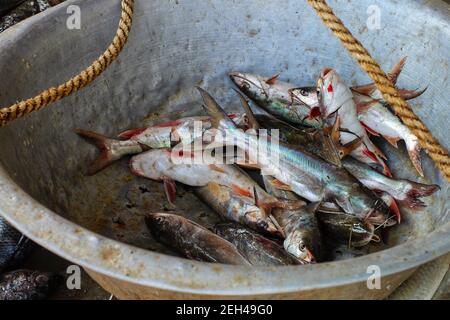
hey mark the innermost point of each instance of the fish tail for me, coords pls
(396, 70)
(103, 144)
(131, 133)
(417, 191)
(411, 94)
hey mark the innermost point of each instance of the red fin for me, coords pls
(392, 140)
(241, 191)
(314, 113)
(386, 171)
(272, 80)
(411, 94)
(419, 190)
(369, 130)
(396, 210)
(216, 168)
(379, 152)
(396, 70)
(414, 155)
(131, 133)
(168, 124)
(280, 185)
(170, 188)
(370, 155)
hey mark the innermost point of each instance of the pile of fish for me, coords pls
(320, 179)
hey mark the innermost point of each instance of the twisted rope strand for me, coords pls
(389, 91)
(81, 80)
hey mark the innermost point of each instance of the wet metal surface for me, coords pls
(173, 47)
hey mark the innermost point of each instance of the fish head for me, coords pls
(305, 95)
(162, 222)
(296, 245)
(332, 93)
(251, 85)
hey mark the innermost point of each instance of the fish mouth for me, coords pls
(244, 82)
(309, 259)
(237, 78)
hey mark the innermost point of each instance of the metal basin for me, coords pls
(97, 222)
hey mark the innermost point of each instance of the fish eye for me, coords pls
(303, 92)
(245, 85)
(302, 247)
(263, 224)
(159, 220)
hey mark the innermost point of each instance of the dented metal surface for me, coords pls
(97, 221)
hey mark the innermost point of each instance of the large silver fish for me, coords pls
(134, 141)
(303, 173)
(225, 188)
(318, 142)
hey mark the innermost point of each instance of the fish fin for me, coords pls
(280, 230)
(379, 153)
(411, 94)
(386, 171)
(170, 188)
(396, 210)
(348, 148)
(168, 124)
(414, 155)
(131, 133)
(392, 140)
(216, 168)
(272, 80)
(314, 113)
(103, 144)
(369, 130)
(216, 112)
(280, 185)
(331, 142)
(245, 165)
(372, 156)
(396, 70)
(393, 75)
(344, 204)
(241, 191)
(366, 90)
(417, 191)
(335, 133)
(248, 112)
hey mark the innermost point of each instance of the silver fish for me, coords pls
(305, 174)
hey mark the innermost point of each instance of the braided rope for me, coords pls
(390, 93)
(79, 81)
